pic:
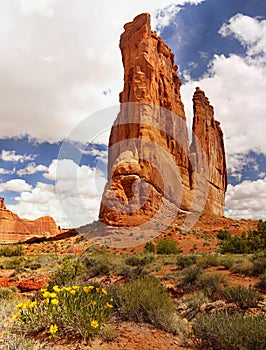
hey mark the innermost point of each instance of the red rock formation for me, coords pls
(149, 161)
(141, 132)
(2, 203)
(14, 229)
(208, 147)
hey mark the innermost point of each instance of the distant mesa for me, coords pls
(14, 229)
(150, 161)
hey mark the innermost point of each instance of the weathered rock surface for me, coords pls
(14, 229)
(150, 167)
(2, 203)
(208, 150)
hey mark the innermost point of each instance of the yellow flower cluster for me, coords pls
(26, 305)
(53, 296)
(88, 288)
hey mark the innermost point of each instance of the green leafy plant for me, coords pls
(14, 250)
(6, 293)
(190, 276)
(149, 247)
(145, 299)
(69, 272)
(242, 296)
(211, 282)
(167, 246)
(208, 260)
(224, 235)
(224, 331)
(186, 260)
(261, 282)
(135, 260)
(68, 310)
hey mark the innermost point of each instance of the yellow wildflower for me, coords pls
(53, 329)
(16, 315)
(26, 304)
(88, 288)
(93, 302)
(46, 301)
(97, 289)
(46, 294)
(43, 290)
(54, 301)
(33, 304)
(109, 305)
(75, 287)
(104, 291)
(56, 289)
(94, 324)
(73, 291)
(20, 306)
(68, 289)
(52, 295)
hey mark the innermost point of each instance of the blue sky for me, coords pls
(62, 64)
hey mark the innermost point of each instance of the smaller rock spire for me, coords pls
(2, 203)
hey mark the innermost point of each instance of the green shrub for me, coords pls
(243, 297)
(149, 247)
(190, 276)
(222, 331)
(15, 262)
(8, 251)
(223, 235)
(71, 310)
(244, 266)
(227, 261)
(208, 260)
(235, 245)
(186, 260)
(135, 260)
(211, 282)
(6, 293)
(261, 282)
(145, 299)
(68, 273)
(252, 242)
(259, 263)
(167, 246)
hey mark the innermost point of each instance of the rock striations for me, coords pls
(150, 163)
(14, 229)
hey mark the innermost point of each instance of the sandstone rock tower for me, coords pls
(2, 203)
(208, 142)
(150, 163)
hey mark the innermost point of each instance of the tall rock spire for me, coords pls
(149, 161)
(208, 143)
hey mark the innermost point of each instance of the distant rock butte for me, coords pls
(14, 229)
(149, 139)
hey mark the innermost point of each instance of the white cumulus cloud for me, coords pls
(12, 156)
(72, 201)
(251, 32)
(4, 171)
(236, 87)
(247, 200)
(59, 56)
(15, 185)
(31, 169)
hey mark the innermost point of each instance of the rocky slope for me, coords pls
(152, 170)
